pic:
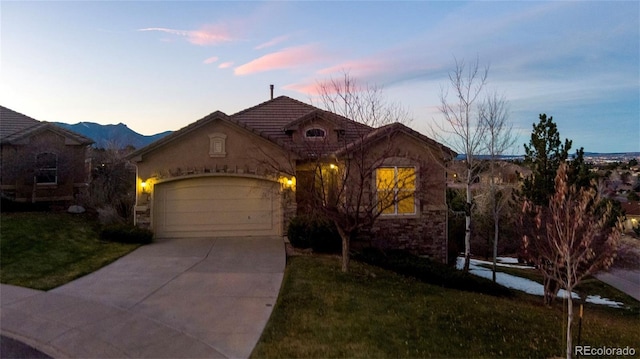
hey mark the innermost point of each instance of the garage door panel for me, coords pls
(220, 218)
(217, 192)
(217, 206)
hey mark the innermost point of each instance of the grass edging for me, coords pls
(430, 272)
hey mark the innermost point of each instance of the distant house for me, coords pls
(631, 211)
(249, 173)
(41, 162)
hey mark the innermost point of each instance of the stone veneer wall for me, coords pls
(423, 235)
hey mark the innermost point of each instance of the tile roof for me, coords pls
(15, 126)
(12, 122)
(274, 118)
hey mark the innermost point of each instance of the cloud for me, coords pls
(287, 58)
(210, 60)
(225, 65)
(273, 42)
(207, 35)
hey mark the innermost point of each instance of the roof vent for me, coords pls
(271, 87)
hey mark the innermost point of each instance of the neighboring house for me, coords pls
(249, 173)
(41, 162)
(631, 211)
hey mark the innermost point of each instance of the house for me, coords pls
(631, 218)
(41, 162)
(249, 173)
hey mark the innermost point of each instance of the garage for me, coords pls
(217, 206)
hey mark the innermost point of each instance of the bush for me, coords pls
(314, 232)
(431, 272)
(123, 233)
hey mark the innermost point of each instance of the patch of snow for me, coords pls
(509, 260)
(524, 284)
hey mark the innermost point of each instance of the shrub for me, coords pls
(314, 232)
(123, 233)
(431, 272)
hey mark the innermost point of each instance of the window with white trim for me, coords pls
(217, 145)
(46, 168)
(315, 133)
(396, 190)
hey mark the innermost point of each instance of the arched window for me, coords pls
(46, 168)
(315, 132)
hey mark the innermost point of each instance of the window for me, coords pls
(395, 190)
(46, 168)
(314, 133)
(217, 145)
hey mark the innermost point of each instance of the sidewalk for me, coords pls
(172, 299)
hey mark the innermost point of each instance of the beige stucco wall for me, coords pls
(188, 156)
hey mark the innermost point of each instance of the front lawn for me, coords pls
(371, 312)
(42, 250)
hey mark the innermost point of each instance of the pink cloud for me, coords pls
(272, 42)
(207, 35)
(225, 65)
(210, 60)
(365, 67)
(306, 88)
(287, 58)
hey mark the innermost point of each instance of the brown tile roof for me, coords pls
(389, 129)
(274, 118)
(15, 126)
(631, 208)
(12, 122)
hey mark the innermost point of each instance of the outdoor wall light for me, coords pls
(144, 186)
(288, 183)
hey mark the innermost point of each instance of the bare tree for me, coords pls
(463, 130)
(344, 191)
(499, 139)
(571, 235)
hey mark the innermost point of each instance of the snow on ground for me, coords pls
(524, 284)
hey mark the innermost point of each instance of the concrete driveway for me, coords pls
(174, 298)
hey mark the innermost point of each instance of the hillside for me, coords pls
(107, 136)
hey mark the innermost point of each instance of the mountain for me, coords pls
(107, 136)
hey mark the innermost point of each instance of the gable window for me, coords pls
(46, 168)
(315, 133)
(217, 145)
(396, 190)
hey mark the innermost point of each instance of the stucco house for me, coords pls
(41, 162)
(249, 173)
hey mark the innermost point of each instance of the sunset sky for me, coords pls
(159, 66)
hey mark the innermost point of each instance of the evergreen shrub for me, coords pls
(315, 232)
(123, 233)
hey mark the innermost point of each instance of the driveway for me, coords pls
(625, 280)
(174, 298)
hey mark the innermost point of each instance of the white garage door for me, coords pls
(217, 207)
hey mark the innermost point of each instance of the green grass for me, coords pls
(42, 250)
(371, 312)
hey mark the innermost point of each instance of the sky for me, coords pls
(161, 65)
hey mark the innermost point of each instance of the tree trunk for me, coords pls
(467, 231)
(569, 321)
(345, 248)
(496, 226)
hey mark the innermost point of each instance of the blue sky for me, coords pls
(159, 66)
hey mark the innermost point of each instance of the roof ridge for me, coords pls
(279, 98)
